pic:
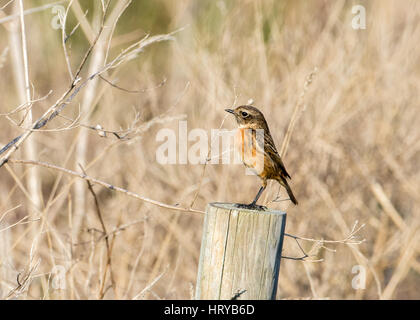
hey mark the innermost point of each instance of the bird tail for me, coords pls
(292, 197)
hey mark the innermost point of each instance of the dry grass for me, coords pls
(354, 152)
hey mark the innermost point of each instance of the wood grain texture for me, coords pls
(240, 250)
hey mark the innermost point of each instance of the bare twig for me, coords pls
(108, 248)
(319, 243)
(350, 239)
(125, 6)
(28, 118)
(24, 281)
(148, 287)
(74, 89)
(133, 91)
(105, 184)
(8, 211)
(208, 159)
(24, 220)
(64, 38)
(298, 107)
(114, 232)
(25, 105)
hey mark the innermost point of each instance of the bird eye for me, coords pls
(244, 114)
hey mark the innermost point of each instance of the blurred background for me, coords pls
(354, 151)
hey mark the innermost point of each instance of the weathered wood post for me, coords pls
(240, 252)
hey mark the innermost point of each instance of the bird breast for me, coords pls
(251, 154)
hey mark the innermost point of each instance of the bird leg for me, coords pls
(253, 204)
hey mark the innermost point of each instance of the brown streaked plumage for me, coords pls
(255, 142)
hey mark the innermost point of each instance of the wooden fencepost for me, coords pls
(240, 253)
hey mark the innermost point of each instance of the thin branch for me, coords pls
(319, 243)
(64, 38)
(108, 248)
(13, 145)
(208, 159)
(24, 220)
(74, 89)
(104, 184)
(305, 255)
(126, 134)
(114, 25)
(8, 211)
(116, 231)
(24, 282)
(89, 51)
(133, 91)
(148, 287)
(25, 105)
(25, 61)
(350, 239)
(298, 107)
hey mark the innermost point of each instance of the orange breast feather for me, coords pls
(245, 144)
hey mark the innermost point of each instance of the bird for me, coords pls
(258, 151)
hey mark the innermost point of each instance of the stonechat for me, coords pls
(257, 150)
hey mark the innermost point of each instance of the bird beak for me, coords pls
(230, 111)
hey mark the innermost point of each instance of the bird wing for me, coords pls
(267, 144)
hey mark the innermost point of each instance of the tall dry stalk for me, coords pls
(91, 95)
(82, 140)
(19, 54)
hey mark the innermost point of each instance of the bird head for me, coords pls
(248, 117)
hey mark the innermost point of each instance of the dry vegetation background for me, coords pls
(354, 152)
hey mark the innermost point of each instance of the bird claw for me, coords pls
(251, 206)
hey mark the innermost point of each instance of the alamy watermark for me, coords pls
(58, 277)
(359, 20)
(226, 147)
(359, 280)
(57, 20)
